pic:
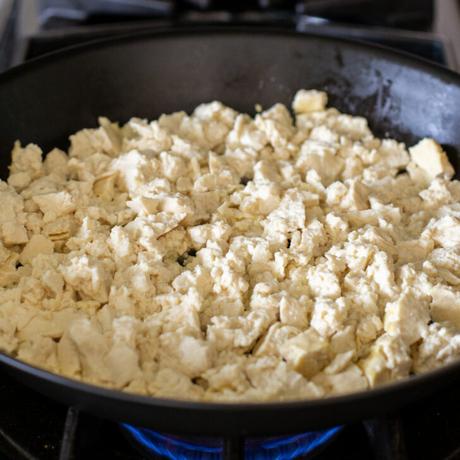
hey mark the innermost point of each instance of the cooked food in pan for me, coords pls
(222, 257)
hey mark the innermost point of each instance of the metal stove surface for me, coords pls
(48, 25)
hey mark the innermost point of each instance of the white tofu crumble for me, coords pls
(220, 257)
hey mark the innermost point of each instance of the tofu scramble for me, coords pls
(222, 257)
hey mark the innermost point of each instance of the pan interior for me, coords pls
(160, 73)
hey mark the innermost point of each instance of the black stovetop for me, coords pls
(32, 427)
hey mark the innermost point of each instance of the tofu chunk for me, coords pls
(431, 158)
(445, 305)
(309, 101)
(407, 316)
(307, 353)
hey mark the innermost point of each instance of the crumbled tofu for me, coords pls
(294, 312)
(38, 244)
(328, 316)
(414, 250)
(309, 101)
(219, 257)
(307, 353)
(347, 381)
(54, 205)
(445, 231)
(407, 316)
(445, 305)
(440, 345)
(194, 356)
(14, 233)
(388, 360)
(431, 158)
(322, 158)
(27, 160)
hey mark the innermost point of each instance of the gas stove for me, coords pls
(32, 426)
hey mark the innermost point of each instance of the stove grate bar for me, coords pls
(24, 454)
(67, 451)
(386, 436)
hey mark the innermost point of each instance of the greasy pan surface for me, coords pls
(145, 75)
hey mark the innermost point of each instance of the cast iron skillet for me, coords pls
(46, 100)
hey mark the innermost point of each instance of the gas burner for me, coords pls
(171, 447)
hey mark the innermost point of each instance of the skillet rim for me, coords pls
(448, 370)
(167, 31)
(417, 381)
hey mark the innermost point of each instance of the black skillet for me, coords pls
(145, 75)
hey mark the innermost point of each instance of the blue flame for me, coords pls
(280, 448)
